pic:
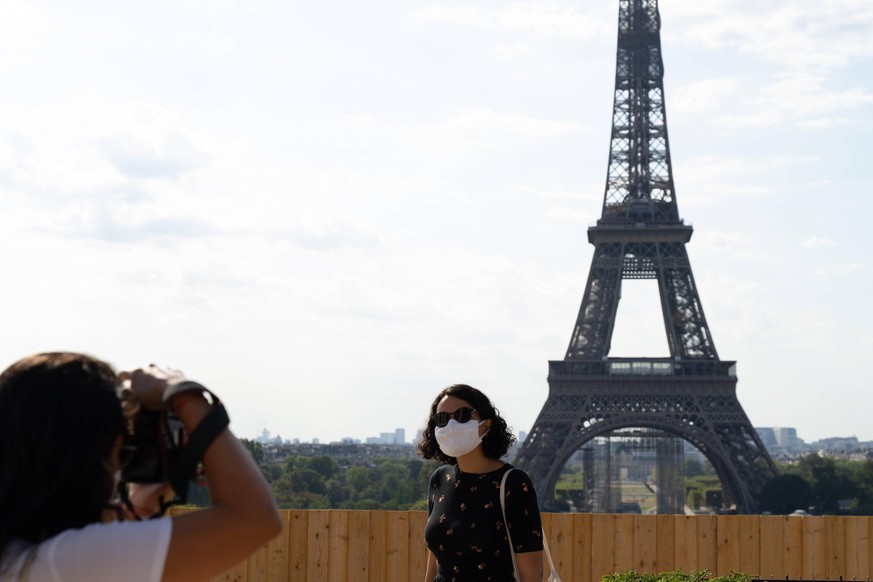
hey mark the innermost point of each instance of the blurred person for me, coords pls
(61, 448)
(465, 534)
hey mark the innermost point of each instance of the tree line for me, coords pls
(322, 482)
(820, 485)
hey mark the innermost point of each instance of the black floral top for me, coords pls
(465, 529)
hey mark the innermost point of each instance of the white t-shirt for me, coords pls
(129, 550)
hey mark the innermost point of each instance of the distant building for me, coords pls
(786, 437)
(837, 444)
(768, 437)
(398, 437)
(344, 452)
(782, 441)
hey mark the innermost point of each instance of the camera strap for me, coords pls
(186, 469)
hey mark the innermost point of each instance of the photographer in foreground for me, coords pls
(61, 450)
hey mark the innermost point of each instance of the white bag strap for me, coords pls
(506, 523)
(553, 574)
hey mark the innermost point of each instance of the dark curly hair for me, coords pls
(496, 441)
(59, 419)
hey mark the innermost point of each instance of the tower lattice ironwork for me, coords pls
(691, 394)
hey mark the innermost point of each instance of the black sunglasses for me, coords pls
(462, 415)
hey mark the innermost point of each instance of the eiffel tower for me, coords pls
(691, 394)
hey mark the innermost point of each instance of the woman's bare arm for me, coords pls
(530, 566)
(243, 515)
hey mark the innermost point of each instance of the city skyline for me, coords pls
(779, 437)
(328, 213)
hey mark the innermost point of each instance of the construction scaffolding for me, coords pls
(636, 470)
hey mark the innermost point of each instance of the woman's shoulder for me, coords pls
(516, 476)
(114, 533)
(440, 473)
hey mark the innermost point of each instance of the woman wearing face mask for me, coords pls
(465, 532)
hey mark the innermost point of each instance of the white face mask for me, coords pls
(457, 439)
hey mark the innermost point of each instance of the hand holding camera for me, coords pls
(168, 444)
(149, 384)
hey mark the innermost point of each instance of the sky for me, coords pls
(329, 211)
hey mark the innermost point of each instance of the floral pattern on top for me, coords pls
(465, 529)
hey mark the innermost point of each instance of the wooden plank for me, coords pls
(339, 546)
(851, 526)
(865, 562)
(728, 544)
(624, 542)
(792, 547)
(602, 546)
(378, 545)
(707, 542)
(749, 532)
(582, 548)
(278, 551)
(298, 537)
(835, 547)
(358, 543)
(562, 542)
(318, 549)
(665, 534)
(256, 566)
(864, 537)
(813, 562)
(772, 530)
(417, 547)
(645, 543)
(235, 574)
(397, 546)
(686, 543)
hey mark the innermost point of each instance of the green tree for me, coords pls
(323, 465)
(255, 449)
(693, 468)
(830, 482)
(785, 493)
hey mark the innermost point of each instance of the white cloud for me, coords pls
(705, 95)
(513, 51)
(840, 270)
(819, 241)
(552, 20)
(497, 126)
(803, 34)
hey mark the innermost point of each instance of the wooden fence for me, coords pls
(381, 546)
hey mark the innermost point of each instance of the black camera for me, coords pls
(160, 450)
(152, 441)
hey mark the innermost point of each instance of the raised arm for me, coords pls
(242, 516)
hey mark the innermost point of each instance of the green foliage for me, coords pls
(675, 576)
(700, 490)
(786, 493)
(833, 480)
(256, 450)
(321, 483)
(693, 468)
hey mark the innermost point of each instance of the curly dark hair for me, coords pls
(496, 441)
(59, 419)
